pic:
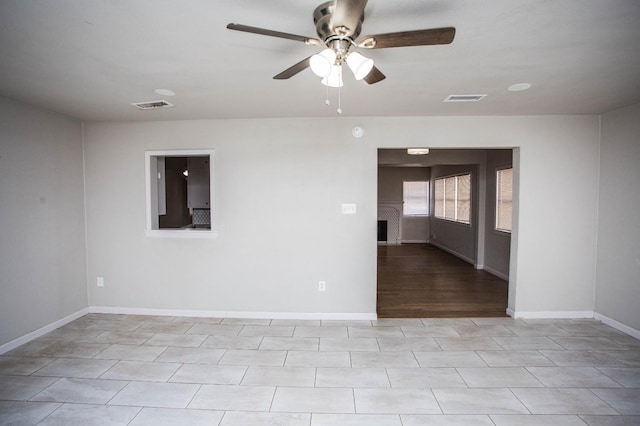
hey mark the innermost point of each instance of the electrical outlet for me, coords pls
(322, 285)
(100, 281)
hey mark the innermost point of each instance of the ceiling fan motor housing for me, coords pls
(326, 28)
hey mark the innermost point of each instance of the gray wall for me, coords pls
(42, 238)
(618, 265)
(457, 238)
(279, 185)
(497, 245)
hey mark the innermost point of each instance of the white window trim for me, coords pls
(178, 233)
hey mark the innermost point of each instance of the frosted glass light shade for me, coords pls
(334, 79)
(322, 62)
(359, 64)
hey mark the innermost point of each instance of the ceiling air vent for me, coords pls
(464, 98)
(152, 105)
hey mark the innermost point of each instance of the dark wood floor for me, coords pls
(421, 281)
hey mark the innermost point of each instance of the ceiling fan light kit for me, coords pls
(321, 63)
(334, 79)
(359, 64)
(338, 25)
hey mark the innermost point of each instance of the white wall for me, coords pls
(42, 239)
(279, 185)
(618, 266)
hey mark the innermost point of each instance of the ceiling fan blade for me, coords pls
(293, 70)
(374, 76)
(409, 38)
(271, 33)
(348, 14)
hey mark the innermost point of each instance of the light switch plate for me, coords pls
(348, 209)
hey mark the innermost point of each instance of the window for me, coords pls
(452, 200)
(504, 199)
(415, 198)
(179, 193)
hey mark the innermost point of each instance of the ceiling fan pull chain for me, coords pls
(327, 102)
(339, 110)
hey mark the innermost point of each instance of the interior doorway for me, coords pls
(441, 264)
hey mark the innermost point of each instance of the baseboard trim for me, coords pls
(234, 314)
(42, 331)
(183, 313)
(618, 325)
(288, 315)
(413, 241)
(551, 314)
(494, 272)
(453, 252)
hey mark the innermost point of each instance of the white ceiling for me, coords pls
(90, 59)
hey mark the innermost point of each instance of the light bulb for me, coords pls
(322, 62)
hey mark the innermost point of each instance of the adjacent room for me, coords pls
(210, 214)
(444, 232)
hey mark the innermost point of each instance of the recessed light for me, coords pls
(519, 87)
(165, 92)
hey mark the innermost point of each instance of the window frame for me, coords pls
(497, 189)
(455, 220)
(428, 204)
(150, 231)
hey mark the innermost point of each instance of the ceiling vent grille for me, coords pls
(152, 105)
(464, 98)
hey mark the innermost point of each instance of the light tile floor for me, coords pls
(152, 370)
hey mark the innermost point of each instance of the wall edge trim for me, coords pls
(551, 314)
(453, 252)
(6, 347)
(494, 272)
(235, 314)
(618, 325)
(26, 338)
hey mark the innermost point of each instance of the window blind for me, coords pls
(504, 199)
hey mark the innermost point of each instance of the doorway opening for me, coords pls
(452, 259)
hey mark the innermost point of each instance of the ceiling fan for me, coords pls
(338, 24)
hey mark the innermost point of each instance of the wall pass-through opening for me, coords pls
(179, 191)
